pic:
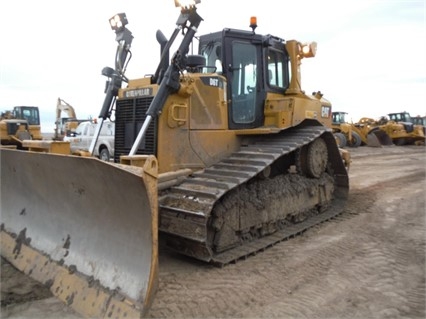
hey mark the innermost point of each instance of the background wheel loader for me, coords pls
(420, 120)
(364, 132)
(343, 132)
(221, 152)
(402, 130)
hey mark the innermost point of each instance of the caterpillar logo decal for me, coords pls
(212, 81)
(138, 92)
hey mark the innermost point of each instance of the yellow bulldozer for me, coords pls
(221, 154)
(364, 132)
(22, 123)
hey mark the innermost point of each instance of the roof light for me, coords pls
(118, 21)
(253, 23)
(186, 3)
(308, 50)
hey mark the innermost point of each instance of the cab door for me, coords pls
(243, 69)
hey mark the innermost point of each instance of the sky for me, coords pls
(371, 55)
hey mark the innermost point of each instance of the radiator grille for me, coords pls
(130, 114)
(13, 127)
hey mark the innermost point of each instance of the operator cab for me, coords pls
(28, 113)
(400, 117)
(339, 117)
(253, 66)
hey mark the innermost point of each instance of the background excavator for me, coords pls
(65, 124)
(222, 153)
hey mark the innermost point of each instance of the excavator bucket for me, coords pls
(378, 138)
(85, 228)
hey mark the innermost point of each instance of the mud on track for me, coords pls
(367, 263)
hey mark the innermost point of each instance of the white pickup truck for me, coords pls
(81, 139)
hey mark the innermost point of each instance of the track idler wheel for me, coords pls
(312, 159)
(317, 158)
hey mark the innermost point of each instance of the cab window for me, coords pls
(212, 52)
(277, 63)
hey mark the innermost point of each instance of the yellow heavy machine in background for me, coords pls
(365, 132)
(22, 123)
(401, 129)
(64, 125)
(342, 131)
(221, 152)
(420, 120)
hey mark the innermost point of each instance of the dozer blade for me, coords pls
(378, 138)
(85, 228)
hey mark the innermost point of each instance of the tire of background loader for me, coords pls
(340, 139)
(356, 140)
(86, 228)
(400, 141)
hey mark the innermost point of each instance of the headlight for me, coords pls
(118, 21)
(308, 50)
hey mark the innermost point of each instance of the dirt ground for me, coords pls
(369, 262)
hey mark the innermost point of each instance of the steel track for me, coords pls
(185, 210)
